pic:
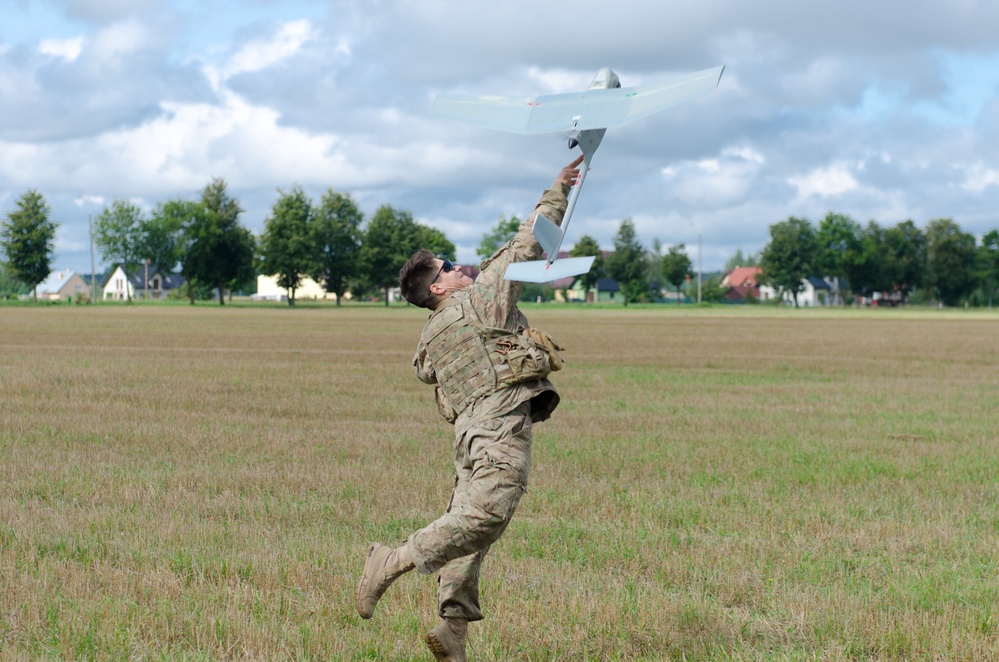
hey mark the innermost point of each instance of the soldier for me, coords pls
(490, 371)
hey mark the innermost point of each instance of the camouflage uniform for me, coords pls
(491, 383)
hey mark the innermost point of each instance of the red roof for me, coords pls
(742, 277)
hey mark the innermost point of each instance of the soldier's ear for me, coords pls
(437, 289)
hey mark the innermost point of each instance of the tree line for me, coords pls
(941, 263)
(206, 239)
(639, 272)
(329, 241)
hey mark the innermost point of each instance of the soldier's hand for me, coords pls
(570, 173)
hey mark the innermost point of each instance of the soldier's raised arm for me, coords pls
(495, 296)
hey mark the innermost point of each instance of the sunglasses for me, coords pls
(446, 267)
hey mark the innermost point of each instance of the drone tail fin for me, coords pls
(548, 235)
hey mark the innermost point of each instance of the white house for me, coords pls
(62, 285)
(815, 292)
(117, 286)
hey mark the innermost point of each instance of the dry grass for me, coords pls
(735, 484)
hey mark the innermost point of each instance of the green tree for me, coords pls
(654, 265)
(950, 260)
(626, 264)
(390, 238)
(837, 245)
(867, 270)
(162, 238)
(493, 240)
(119, 237)
(988, 264)
(712, 290)
(287, 249)
(676, 267)
(221, 250)
(585, 247)
(336, 234)
(28, 240)
(789, 256)
(187, 223)
(740, 260)
(434, 240)
(241, 246)
(11, 286)
(905, 246)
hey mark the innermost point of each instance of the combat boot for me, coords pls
(382, 566)
(447, 640)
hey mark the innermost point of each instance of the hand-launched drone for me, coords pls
(584, 117)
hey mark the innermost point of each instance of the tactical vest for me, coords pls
(472, 360)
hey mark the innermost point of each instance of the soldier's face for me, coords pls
(450, 281)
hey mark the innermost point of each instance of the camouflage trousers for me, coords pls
(492, 461)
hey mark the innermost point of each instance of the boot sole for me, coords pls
(436, 647)
(360, 586)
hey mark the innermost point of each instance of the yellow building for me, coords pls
(269, 290)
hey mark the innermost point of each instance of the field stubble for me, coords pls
(201, 483)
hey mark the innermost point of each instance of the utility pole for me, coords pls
(93, 274)
(698, 266)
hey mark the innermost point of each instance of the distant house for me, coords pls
(742, 277)
(742, 283)
(815, 292)
(119, 286)
(607, 290)
(269, 290)
(741, 293)
(96, 278)
(63, 284)
(561, 287)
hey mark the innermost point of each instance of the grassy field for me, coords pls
(749, 484)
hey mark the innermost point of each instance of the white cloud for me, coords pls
(121, 39)
(68, 49)
(714, 181)
(823, 182)
(744, 153)
(553, 81)
(979, 177)
(262, 53)
(235, 139)
(343, 48)
(323, 94)
(180, 151)
(821, 80)
(89, 200)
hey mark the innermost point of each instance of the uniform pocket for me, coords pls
(504, 442)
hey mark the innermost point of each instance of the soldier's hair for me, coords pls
(415, 279)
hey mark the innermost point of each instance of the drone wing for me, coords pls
(584, 116)
(592, 109)
(541, 271)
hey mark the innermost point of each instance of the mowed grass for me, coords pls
(201, 483)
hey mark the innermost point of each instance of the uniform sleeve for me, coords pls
(421, 363)
(494, 298)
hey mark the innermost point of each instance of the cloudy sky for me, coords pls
(879, 110)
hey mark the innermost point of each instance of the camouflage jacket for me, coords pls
(493, 301)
